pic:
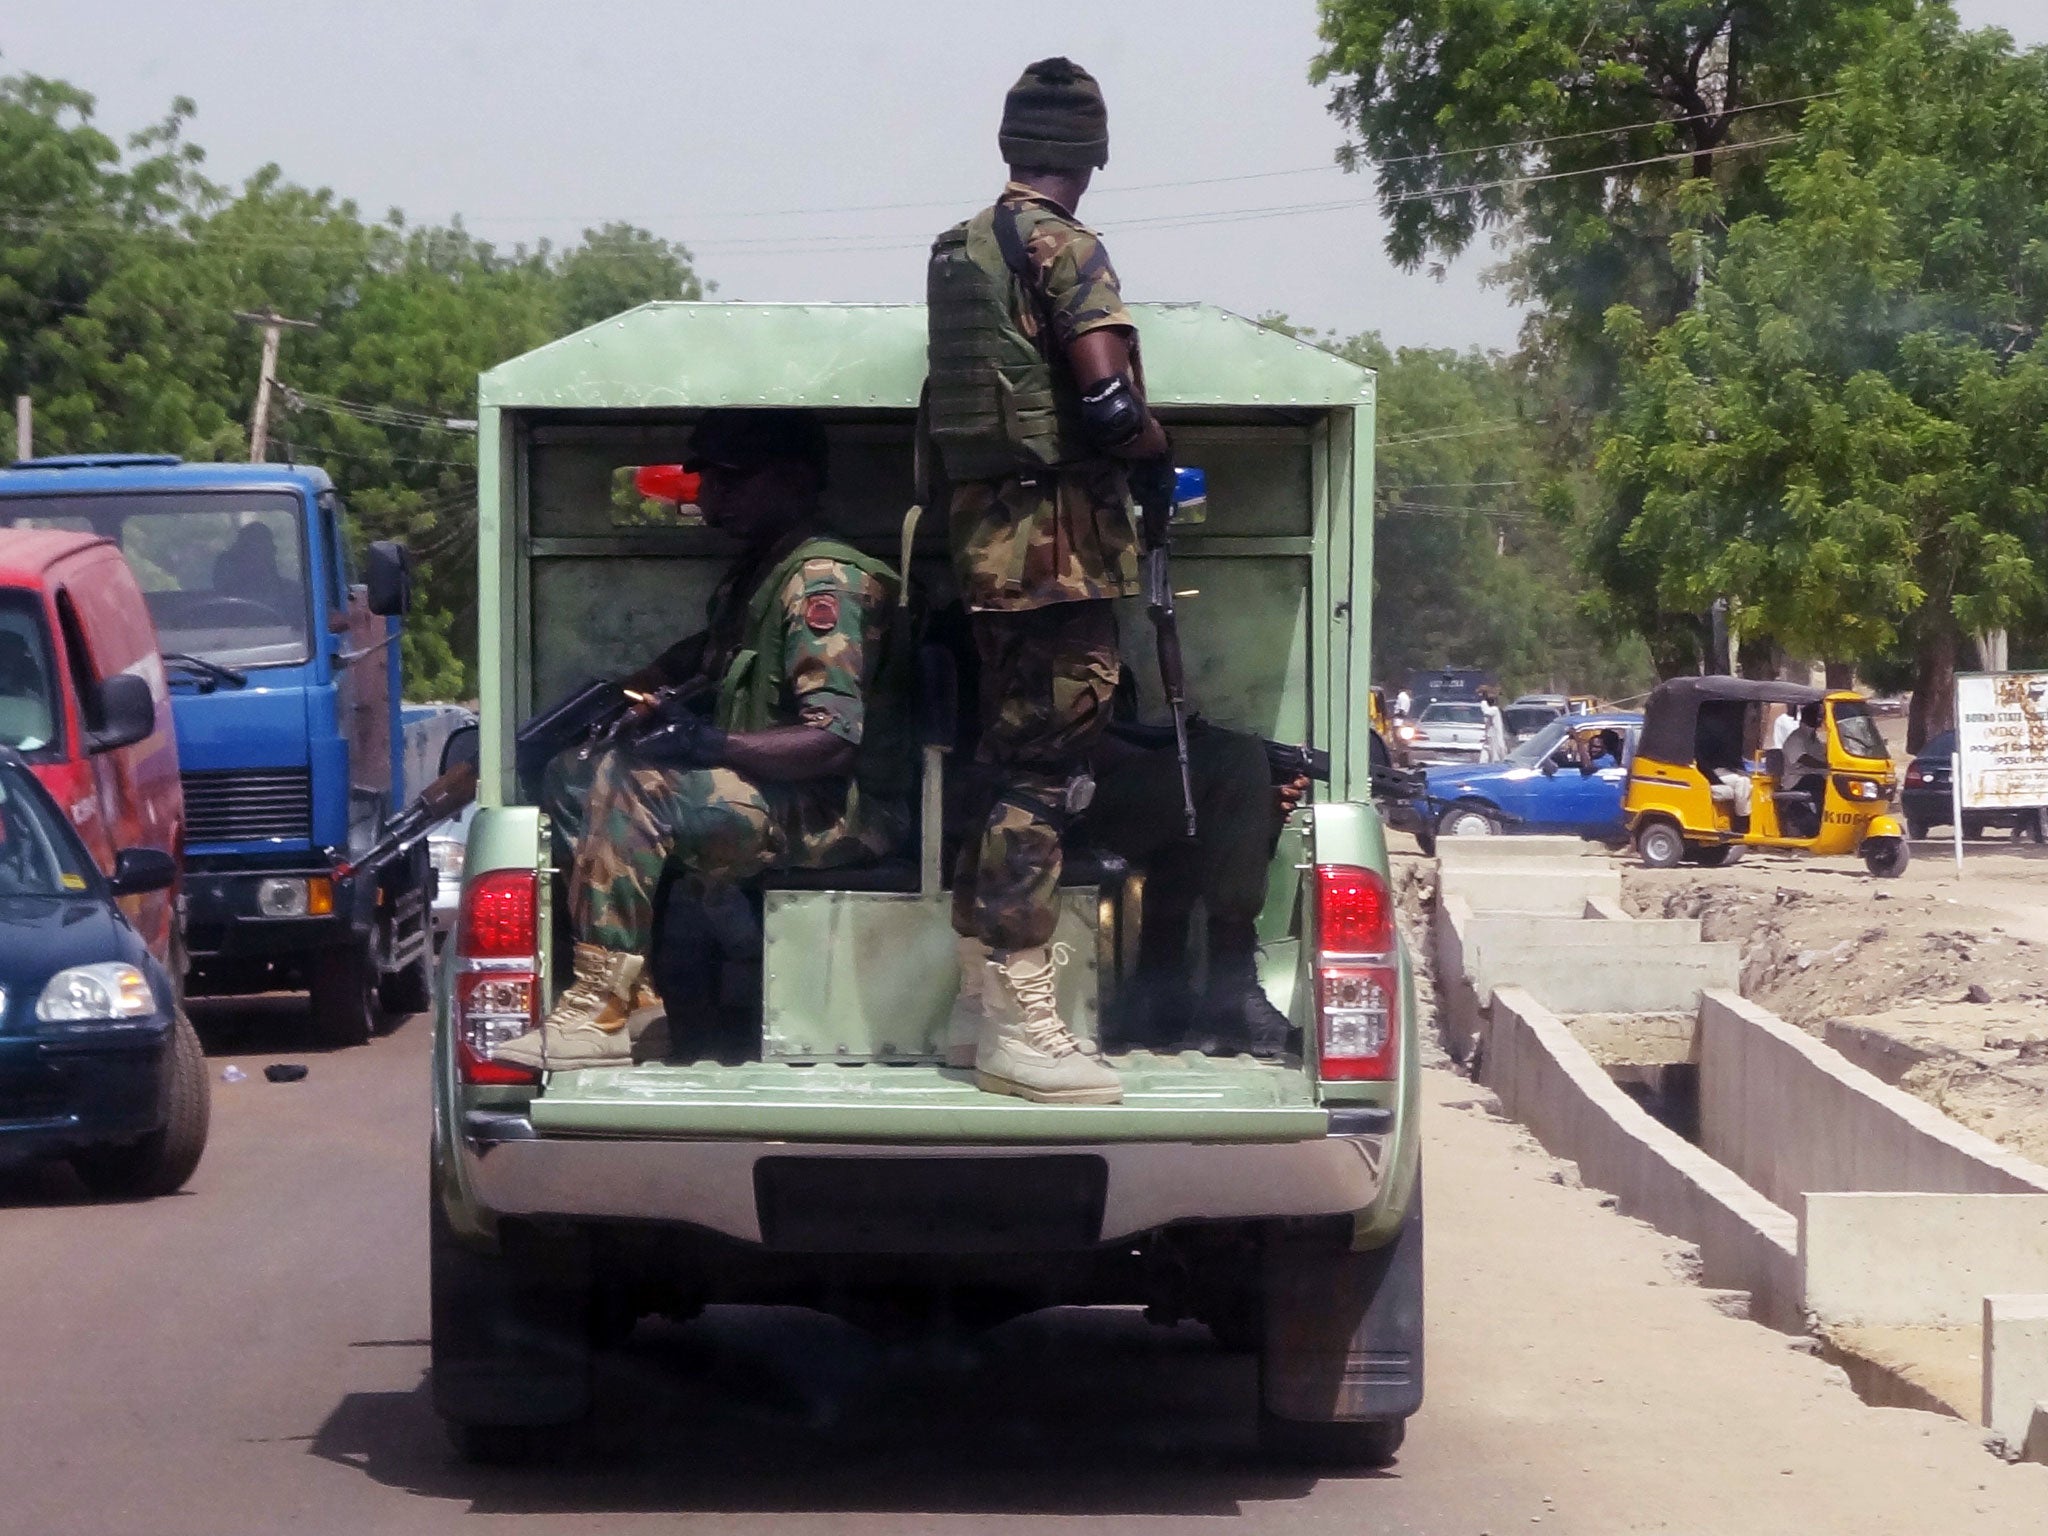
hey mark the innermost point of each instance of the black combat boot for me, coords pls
(1236, 1016)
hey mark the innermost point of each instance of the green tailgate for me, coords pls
(1166, 1098)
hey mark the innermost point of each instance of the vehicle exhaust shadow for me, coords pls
(782, 1411)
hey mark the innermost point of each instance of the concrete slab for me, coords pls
(1792, 1116)
(1577, 965)
(2015, 1363)
(1915, 1260)
(1549, 1082)
(1456, 852)
(1537, 886)
(1930, 1370)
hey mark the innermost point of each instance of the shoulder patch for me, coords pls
(821, 612)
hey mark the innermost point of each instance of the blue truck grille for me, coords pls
(239, 804)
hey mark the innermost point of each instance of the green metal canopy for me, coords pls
(696, 355)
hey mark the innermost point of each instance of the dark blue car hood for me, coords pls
(42, 935)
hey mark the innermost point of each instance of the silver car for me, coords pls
(1449, 732)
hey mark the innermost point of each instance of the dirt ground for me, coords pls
(1936, 983)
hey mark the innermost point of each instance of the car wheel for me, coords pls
(342, 997)
(1973, 827)
(1916, 827)
(2035, 826)
(1887, 857)
(1467, 821)
(162, 1161)
(1659, 845)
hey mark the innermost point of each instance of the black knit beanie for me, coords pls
(1054, 119)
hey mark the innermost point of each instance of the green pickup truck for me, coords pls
(844, 1166)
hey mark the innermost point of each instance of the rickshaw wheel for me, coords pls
(1714, 858)
(1659, 845)
(1887, 857)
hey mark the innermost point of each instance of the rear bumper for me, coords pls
(512, 1170)
(59, 1094)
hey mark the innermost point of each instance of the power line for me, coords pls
(1480, 429)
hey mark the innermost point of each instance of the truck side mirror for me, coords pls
(127, 713)
(142, 869)
(387, 574)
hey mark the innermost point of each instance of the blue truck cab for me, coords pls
(284, 674)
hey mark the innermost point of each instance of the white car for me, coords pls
(1449, 732)
(446, 844)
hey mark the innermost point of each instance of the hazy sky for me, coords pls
(740, 126)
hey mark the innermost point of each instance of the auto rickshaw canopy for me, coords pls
(1671, 715)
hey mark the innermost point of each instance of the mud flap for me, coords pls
(511, 1340)
(1343, 1330)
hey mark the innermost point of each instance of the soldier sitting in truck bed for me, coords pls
(784, 773)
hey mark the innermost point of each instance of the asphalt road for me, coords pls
(249, 1357)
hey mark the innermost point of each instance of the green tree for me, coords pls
(1849, 431)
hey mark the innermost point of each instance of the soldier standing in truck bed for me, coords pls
(1037, 410)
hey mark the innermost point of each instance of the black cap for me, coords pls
(1054, 119)
(746, 439)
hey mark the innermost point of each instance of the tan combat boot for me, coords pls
(1026, 1048)
(587, 1025)
(964, 1025)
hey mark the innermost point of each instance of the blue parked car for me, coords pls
(1542, 786)
(98, 1063)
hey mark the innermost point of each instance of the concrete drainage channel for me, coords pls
(1915, 1250)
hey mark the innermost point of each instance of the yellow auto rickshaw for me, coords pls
(1706, 781)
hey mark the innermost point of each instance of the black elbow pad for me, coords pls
(1111, 412)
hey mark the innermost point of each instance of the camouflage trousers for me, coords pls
(715, 826)
(1048, 676)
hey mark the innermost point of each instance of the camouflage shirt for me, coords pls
(1068, 535)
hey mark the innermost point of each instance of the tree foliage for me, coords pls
(1469, 568)
(1849, 431)
(122, 266)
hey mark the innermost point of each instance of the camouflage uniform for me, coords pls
(1039, 559)
(713, 824)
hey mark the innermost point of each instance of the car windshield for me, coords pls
(1941, 747)
(39, 855)
(224, 573)
(1453, 714)
(1858, 729)
(1543, 744)
(28, 714)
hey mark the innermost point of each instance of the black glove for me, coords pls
(680, 738)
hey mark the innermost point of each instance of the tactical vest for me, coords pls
(754, 684)
(996, 402)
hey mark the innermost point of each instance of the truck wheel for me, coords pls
(1368, 1443)
(1887, 857)
(407, 990)
(1659, 845)
(510, 1341)
(1340, 1365)
(343, 997)
(162, 1161)
(1467, 821)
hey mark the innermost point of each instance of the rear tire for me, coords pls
(342, 997)
(1916, 827)
(1713, 858)
(162, 1161)
(1468, 821)
(1887, 857)
(409, 989)
(1659, 845)
(1367, 1443)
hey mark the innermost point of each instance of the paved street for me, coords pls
(248, 1357)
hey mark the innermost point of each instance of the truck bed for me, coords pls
(1166, 1097)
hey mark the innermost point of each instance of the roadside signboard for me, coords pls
(2001, 739)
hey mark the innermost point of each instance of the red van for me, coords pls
(84, 701)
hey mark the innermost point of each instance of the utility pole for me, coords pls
(273, 331)
(24, 428)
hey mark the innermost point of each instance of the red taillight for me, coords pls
(499, 918)
(1354, 911)
(1915, 774)
(1358, 979)
(497, 973)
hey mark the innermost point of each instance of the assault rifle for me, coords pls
(1164, 493)
(436, 803)
(1286, 761)
(592, 716)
